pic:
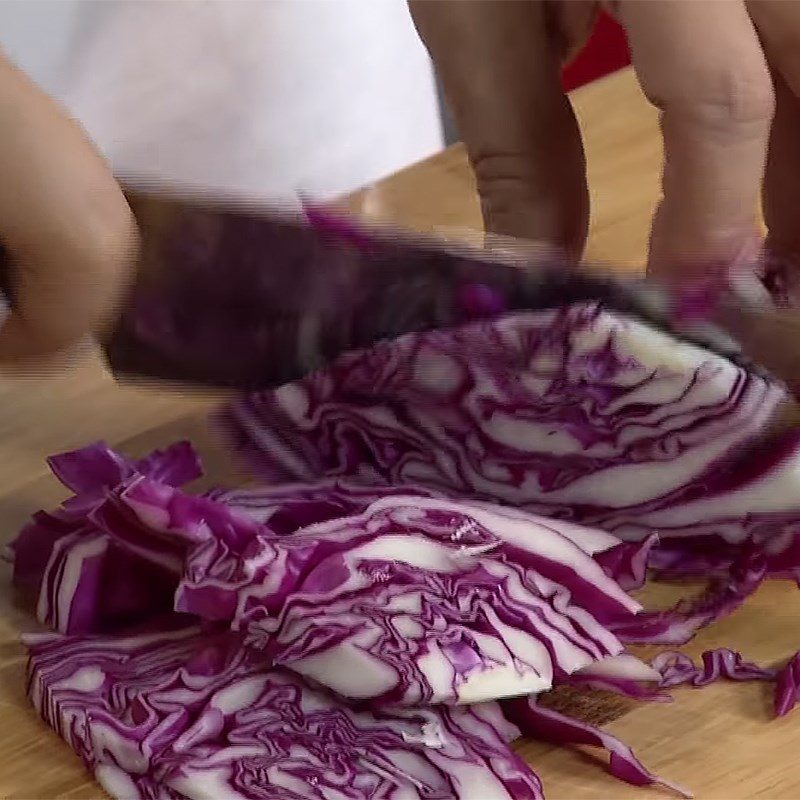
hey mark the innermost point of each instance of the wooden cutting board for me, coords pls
(718, 741)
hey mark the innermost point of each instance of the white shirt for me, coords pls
(257, 98)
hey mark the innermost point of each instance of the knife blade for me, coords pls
(236, 296)
(229, 295)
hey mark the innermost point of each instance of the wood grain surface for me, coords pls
(719, 741)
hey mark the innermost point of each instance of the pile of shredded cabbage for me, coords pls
(450, 526)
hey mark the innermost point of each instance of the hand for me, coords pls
(701, 62)
(64, 224)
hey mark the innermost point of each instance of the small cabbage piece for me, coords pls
(95, 468)
(624, 675)
(787, 686)
(84, 581)
(575, 413)
(187, 713)
(627, 562)
(723, 595)
(426, 599)
(676, 668)
(551, 726)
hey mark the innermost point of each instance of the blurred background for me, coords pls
(243, 96)
(251, 97)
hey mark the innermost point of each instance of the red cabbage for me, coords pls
(627, 562)
(572, 413)
(502, 594)
(544, 723)
(62, 550)
(787, 686)
(679, 624)
(427, 599)
(447, 491)
(92, 469)
(575, 414)
(190, 713)
(676, 668)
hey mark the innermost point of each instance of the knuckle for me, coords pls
(505, 184)
(505, 181)
(494, 169)
(527, 197)
(732, 101)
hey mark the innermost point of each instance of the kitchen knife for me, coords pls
(228, 295)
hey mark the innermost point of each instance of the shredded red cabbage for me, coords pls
(190, 713)
(574, 414)
(426, 599)
(571, 413)
(677, 668)
(787, 686)
(547, 724)
(453, 518)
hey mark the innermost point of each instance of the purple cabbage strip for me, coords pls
(337, 225)
(680, 623)
(787, 686)
(676, 668)
(550, 726)
(625, 675)
(627, 562)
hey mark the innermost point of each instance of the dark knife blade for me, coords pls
(231, 296)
